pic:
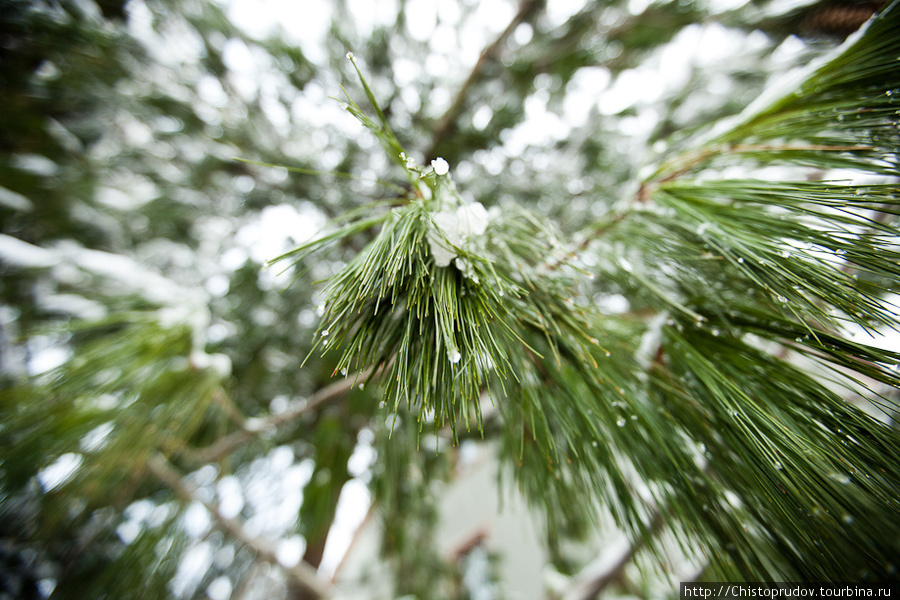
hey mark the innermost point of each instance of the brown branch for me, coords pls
(301, 574)
(608, 567)
(797, 147)
(558, 258)
(685, 163)
(229, 407)
(325, 395)
(447, 124)
(679, 166)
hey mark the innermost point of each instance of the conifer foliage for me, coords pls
(692, 404)
(734, 406)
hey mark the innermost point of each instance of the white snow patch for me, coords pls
(453, 229)
(196, 520)
(15, 252)
(351, 510)
(59, 471)
(289, 551)
(277, 228)
(72, 304)
(650, 341)
(560, 11)
(219, 589)
(231, 496)
(440, 166)
(96, 437)
(15, 200)
(191, 570)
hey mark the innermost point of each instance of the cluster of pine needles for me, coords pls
(696, 396)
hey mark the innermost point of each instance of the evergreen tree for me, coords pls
(651, 316)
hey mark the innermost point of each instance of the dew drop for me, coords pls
(344, 371)
(454, 355)
(741, 260)
(325, 333)
(778, 465)
(608, 353)
(621, 422)
(847, 519)
(594, 444)
(362, 386)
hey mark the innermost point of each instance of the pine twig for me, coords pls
(303, 574)
(687, 162)
(608, 567)
(323, 396)
(448, 121)
(556, 259)
(229, 407)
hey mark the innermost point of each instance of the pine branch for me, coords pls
(253, 428)
(607, 568)
(585, 411)
(458, 304)
(229, 408)
(302, 574)
(843, 107)
(447, 123)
